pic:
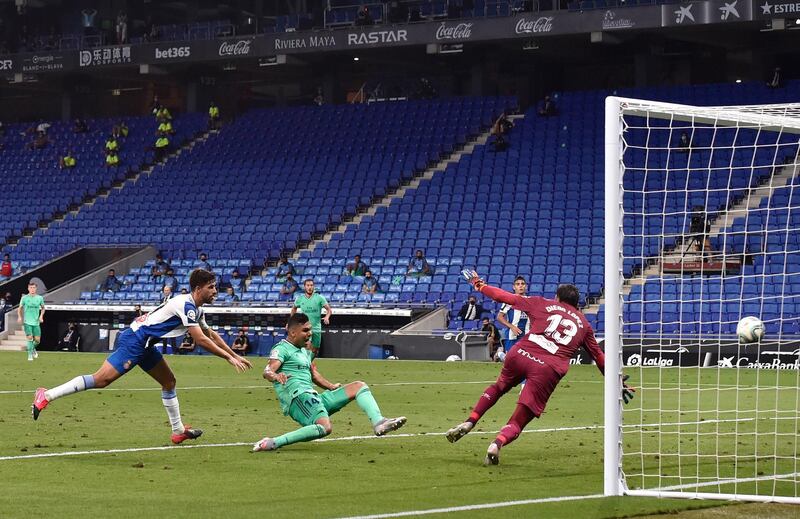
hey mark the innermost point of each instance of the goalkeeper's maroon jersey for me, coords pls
(557, 329)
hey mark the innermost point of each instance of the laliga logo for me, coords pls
(634, 360)
(240, 48)
(461, 31)
(540, 25)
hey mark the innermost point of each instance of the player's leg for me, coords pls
(541, 382)
(307, 410)
(155, 366)
(37, 338)
(316, 342)
(101, 378)
(521, 417)
(511, 374)
(29, 338)
(361, 393)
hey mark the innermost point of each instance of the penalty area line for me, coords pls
(482, 506)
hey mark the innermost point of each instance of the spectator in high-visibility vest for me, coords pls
(162, 143)
(112, 159)
(213, 116)
(112, 144)
(67, 161)
(162, 112)
(165, 126)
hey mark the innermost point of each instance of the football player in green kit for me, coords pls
(293, 374)
(31, 314)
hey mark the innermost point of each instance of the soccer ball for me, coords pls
(392, 357)
(501, 356)
(453, 358)
(750, 329)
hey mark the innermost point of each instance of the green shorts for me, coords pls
(307, 408)
(32, 330)
(316, 339)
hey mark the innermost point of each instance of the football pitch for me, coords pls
(106, 453)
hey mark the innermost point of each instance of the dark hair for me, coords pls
(296, 319)
(200, 277)
(568, 294)
(307, 280)
(520, 278)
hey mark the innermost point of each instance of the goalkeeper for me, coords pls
(291, 371)
(540, 358)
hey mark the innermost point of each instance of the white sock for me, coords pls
(170, 400)
(79, 383)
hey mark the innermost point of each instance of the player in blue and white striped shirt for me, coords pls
(516, 321)
(135, 346)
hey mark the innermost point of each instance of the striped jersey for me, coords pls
(172, 318)
(518, 318)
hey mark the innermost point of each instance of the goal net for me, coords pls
(702, 229)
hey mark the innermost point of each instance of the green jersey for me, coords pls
(296, 364)
(31, 308)
(312, 307)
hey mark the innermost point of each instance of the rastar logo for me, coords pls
(368, 38)
(461, 31)
(239, 48)
(539, 25)
(173, 52)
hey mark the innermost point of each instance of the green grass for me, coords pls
(324, 479)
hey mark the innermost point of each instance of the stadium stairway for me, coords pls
(132, 178)
(753, 199)
(15, 342)
(387, 199)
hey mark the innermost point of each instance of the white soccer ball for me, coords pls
(392, 357)
(501, 356)
(453, 358)
(750, 329)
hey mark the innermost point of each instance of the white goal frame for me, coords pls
(769, 117)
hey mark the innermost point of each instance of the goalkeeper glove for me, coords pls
(627, 391)
(472, 277)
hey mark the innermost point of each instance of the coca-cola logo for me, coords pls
(462, 31)
(537, 26)
(239, 48)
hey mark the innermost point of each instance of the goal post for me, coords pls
(702, 228)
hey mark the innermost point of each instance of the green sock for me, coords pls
(303, 434)
(30, 347)
(367, 403)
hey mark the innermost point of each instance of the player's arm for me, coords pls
(200, 339)
(271, 372)
(41, 314)
(328, 312)
(593, 349)
(19, 310)
(321, 381)
(293, 310)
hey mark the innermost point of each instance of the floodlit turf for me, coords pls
(413, 469)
